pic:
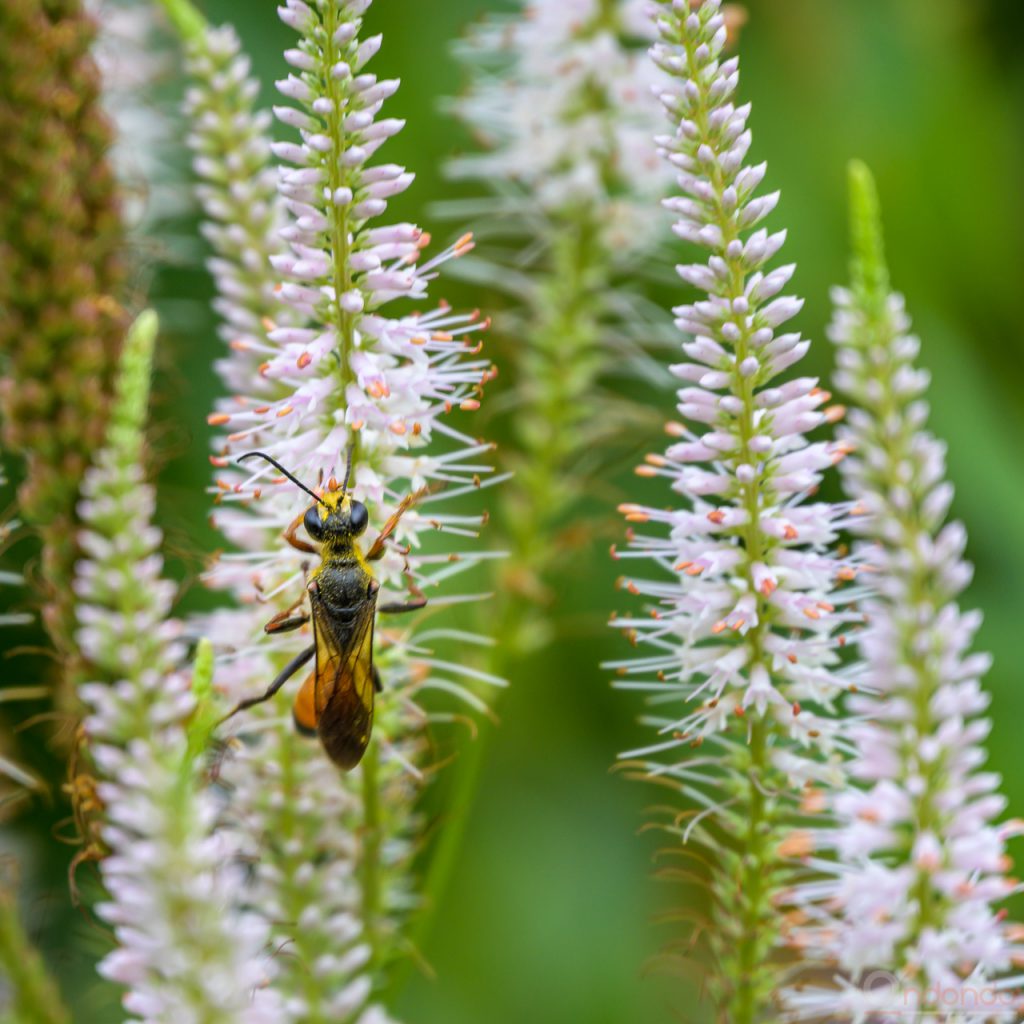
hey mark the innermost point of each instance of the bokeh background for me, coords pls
(550, 913)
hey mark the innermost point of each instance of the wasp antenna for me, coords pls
(277, 465)
(348, 467)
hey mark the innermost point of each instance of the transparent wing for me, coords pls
(344, 659)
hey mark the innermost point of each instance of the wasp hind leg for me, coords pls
(285, 622)
(402, 606)
(283, 676)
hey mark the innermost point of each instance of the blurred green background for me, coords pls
(548, 918)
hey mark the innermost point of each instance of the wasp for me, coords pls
(336, 700)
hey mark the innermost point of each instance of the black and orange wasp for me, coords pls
(336, 701)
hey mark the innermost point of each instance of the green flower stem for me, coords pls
(370, 865)
(33, 993)
(753, 909)
(340, 227)
(560, 364)
(186, 18)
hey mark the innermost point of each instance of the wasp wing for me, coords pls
(344, 690)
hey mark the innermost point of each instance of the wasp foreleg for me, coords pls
(377, 548)
(291, 536)
(283, 676)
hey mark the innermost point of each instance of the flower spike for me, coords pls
(906, 914)
(748, 604)
(320, 371)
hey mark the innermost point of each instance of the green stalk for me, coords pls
(186, 18)
(341, 227)
(560, 364)
(371, 850)
(34, 994)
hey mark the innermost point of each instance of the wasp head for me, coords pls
(335, 516)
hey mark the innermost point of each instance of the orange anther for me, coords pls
(799, 843)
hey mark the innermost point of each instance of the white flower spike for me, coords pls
(749, 606)
(907, 913)
(317, 365)
(186, 951)
(562, 100)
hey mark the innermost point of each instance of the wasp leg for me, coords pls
(283, 676)
(285, 622)
(377, 684)
(402, 606)
(377, 548)
(290, 535)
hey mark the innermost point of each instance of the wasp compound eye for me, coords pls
(359, 517)
(311, 521)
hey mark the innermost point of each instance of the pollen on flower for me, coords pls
(798, 844)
